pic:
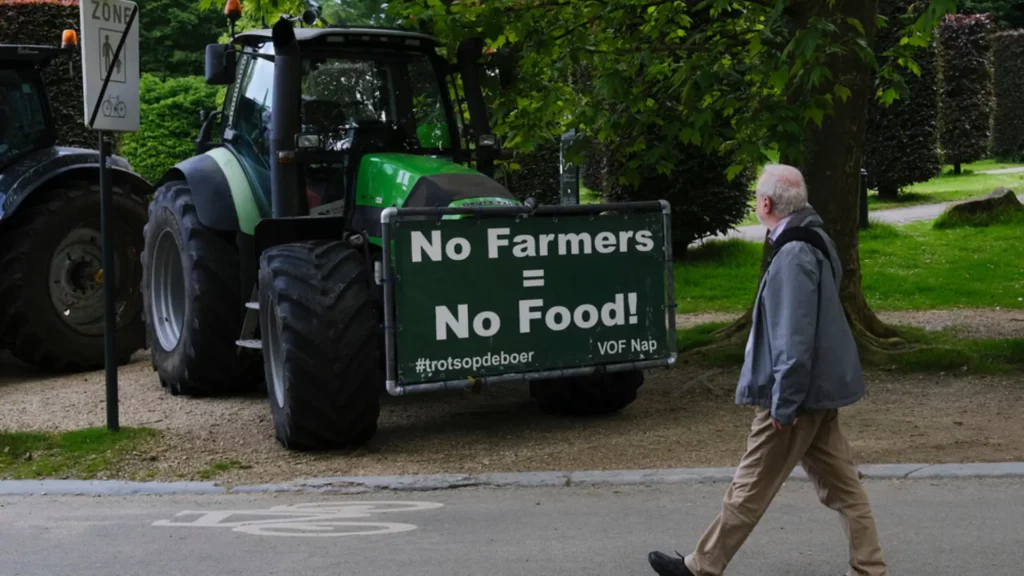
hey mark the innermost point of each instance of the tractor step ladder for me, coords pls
(251, 324)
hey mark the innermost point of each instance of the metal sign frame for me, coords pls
(393, 215)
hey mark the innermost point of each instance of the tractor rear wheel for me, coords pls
(193, 303)
(592, 395)
(51, 278)
(320, 338)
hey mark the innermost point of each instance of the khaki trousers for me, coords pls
(817, 443)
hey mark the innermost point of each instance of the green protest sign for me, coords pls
(476, 297)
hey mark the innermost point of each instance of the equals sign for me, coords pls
(533, 278)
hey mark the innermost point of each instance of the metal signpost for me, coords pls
(110, 89)
(568, 173)
(523, 293)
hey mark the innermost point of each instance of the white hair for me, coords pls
(785, 186)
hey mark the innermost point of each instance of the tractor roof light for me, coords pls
(69, 39)
(233, 10)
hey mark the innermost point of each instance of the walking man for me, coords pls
(800, 367)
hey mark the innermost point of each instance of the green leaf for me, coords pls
(856, 24)
(734, 171)
(816, 114)
(779, 78)
(842, 92)
(888, 96)
(772, 154)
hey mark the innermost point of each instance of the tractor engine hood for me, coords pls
(410, 181)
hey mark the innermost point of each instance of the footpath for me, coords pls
(897, 216)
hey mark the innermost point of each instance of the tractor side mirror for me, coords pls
(221, 64)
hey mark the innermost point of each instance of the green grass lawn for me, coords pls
(911, 267)
(83, 454)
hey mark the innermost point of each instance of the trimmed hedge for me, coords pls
(966, 96)
(902, 143)
(1008, 120)
(704, 202)
(170, 122)
(537, 175)
(42, 22)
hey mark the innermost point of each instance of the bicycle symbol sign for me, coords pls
(317, 519)
(113, 107)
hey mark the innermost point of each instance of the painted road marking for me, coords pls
(316, 519)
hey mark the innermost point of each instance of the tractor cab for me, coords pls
(26, 124)
(338, 111)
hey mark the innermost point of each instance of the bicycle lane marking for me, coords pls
(317, 519)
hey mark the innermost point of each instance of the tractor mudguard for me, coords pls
(35, 170)
(221, 190)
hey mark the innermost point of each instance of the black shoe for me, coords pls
(666, 565)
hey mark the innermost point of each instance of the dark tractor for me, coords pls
(263, 252)
(51, 275)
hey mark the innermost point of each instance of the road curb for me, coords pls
(430, 482)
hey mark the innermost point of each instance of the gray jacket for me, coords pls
(800, 354)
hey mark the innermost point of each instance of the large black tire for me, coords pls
(51, 288)
(192, 332)
(593, 395)
(320, 345)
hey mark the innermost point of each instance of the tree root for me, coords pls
(878, 343)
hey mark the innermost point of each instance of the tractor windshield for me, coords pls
(23, 126)
(399, 89)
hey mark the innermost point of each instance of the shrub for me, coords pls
(1008, 120)
(903, 138)
(537, 175)
(170, 122)
(41, 22)
(966, 95)
(704, 202)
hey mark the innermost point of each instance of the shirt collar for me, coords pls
(778, 228)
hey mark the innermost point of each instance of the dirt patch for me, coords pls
(684, 417)
(981, 323)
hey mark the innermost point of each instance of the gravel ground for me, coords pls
(684, 417)
(966, 323)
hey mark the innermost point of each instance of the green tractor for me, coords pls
(51, 276)
(264, 255)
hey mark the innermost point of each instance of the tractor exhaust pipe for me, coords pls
(284, 124)
(469, 53)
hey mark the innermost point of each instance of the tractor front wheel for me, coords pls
(194, 306)
(592, 395)
(320, 337)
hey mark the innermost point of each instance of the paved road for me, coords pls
(928, 528)
(894, 216)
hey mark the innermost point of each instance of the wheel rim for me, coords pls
(76, 281)
(273, 336)
(167, 291)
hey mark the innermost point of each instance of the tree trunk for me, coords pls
(832, 172)
(957, 169)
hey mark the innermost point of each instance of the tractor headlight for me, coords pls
(307, 141)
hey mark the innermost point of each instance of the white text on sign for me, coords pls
(457, 248)
(622, 310)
